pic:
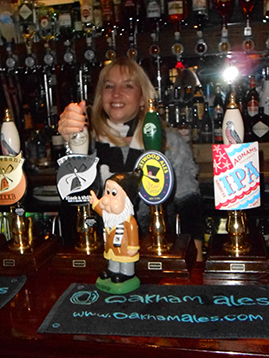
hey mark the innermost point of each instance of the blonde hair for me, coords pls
(99, 116)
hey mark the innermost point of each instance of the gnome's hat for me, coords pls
(130, 183)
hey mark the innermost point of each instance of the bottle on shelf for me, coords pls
(153, 11)
(218, 106)
(184, 128)
(218, 139)
(200, 11)
(265, 10)
(176, 13)
(199, 101)
(252, 98)
(206, 126)
(86, 14)
(210, 231)
(264, 98)
(195, 131)
(97, 17)
(65, 26)
(260, 127)
(10, 138)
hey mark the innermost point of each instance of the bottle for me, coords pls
(265, 10)
(65, 29)
(263, 229)
(200, 11)
(183, 128)
(233, 126)
(77, 21)
(195, 132)
(129, 11)
(97, 17)
(198, 100)
(176, 12)
(264, 98)
(210, 231)
(206, 126)
(224, 7)
(152, 129)
(58, 149)
(153, 10)
(260, 127)
(86, 14)
(118, 15)
(252, 98)
(218, 103)
(108, 16)
(10, 139)
(218, 139)
(247, 6)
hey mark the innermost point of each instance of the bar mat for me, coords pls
(163, 311)
(9, 287)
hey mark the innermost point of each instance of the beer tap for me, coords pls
(247, 8)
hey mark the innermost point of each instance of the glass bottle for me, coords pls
(195, 132)
(233, 126)
(153, 11)
(218, 139)
(176, 12)
(65, 29)
(86, 14)
(10, 138)
(152, 129)
(206, 127)
(198, 100)
(200, 11)
(184, 128)
(210, 231)
(252, 98)
(265, 10)
(264, 98)
(218, 103)
(130, 15)
(260, 127)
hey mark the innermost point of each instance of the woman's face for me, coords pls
(121, 97)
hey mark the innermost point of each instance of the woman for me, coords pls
(119, 108)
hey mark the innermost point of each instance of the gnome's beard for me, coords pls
(111, 220)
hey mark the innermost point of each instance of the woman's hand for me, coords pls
(72, 120)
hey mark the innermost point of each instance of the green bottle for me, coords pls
(152, 129)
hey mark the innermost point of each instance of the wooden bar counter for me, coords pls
(22, 316)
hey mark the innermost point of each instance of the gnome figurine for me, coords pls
(121, 239)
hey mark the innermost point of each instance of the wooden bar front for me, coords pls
(22, 316)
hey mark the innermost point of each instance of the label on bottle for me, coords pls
(65, 20)
(260, 129)
(199, 5)
(264, 99)
(87, 12)
(200, 110)
(265, 7)
(253, 108)
(218, 135)
(153, 9)
(97, 16)
(175, 7)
